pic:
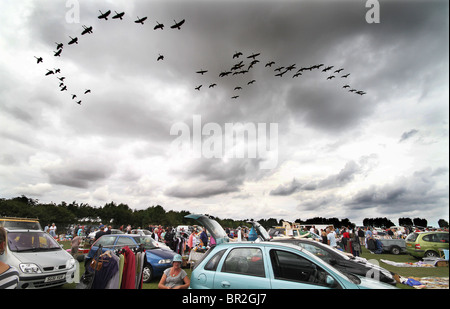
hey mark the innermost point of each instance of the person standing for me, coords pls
(52, 230)
(204, 237)
(368, 235)
(356, 245)
(100, 233)
(361, 237)
(323, 233)
(76, 240)
(331, 238)
(9, 276)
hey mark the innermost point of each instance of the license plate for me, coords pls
(409, 245)
(55, 278)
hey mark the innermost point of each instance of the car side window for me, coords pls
(106, 241)
(293, 267)
(442, 237)
(214, 261)
(245, 261)
(431, 238)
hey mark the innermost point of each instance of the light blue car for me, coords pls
(267, 265)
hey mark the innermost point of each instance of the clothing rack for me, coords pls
(119, 248)
(99, 259)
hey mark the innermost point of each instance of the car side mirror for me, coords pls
(330, 280)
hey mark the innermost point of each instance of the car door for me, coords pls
(290, 270)
(242, 268)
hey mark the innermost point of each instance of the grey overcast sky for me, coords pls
(339, 154)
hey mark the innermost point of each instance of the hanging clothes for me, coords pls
(139, 269)
(106, 268)
(114, 280)
(121, 265)
(129, 270)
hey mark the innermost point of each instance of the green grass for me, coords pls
(416, 272)
(406, 271)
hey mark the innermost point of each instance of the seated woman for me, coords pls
(174, 277)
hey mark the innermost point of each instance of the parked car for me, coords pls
(20, 223)
(156, 259)
(266, 265)
(394, 246)
(426, 244)
(141, 232)
(39, 258)
(342, 261)
(91, 237)
(148, 233)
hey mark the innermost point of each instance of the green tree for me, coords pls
(442, 223)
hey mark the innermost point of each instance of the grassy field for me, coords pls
(416, 272)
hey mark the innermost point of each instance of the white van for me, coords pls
(39, 259)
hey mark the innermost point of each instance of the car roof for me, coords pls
(124, 235)
(22, 230)
(261, 243)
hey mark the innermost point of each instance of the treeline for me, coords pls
(64, 214)
(329, 221)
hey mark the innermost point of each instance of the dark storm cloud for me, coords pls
(418, 191)
(407, 135)
(212, 177)
(345, 176)
(291, 188)
(78, 173)
(200, 190)
(304, 33)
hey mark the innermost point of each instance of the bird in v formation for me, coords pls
(281, 71)
(236, 68)
(89, 30)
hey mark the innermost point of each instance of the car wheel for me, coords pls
(395, 250)
(147, 273)
(431, 254)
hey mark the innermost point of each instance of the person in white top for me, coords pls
(331, 238)
(52, 230)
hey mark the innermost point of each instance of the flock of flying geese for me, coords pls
(89, 30)
(242, 68)
(237, 69)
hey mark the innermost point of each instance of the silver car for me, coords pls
(39, 258)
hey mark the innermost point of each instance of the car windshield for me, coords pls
(31, 241)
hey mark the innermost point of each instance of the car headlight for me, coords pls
(30, 268)
(70, 263)
(166, 261)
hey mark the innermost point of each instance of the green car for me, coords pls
(426, 244)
